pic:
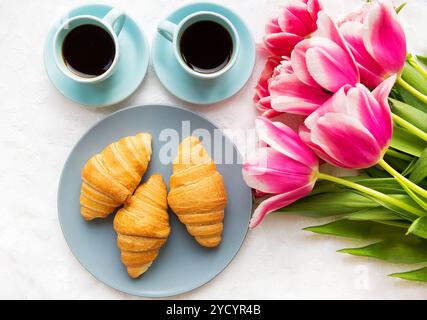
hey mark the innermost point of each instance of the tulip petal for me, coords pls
(305, 135)
(326, 28)
(286, 141)
(277, 202)
(384, 37)
(314, 7)
(260, 93)
(370, 113)
(329, 30)
(337, 103)
(344, 139)
(382, 92)
(371, 72)
(270, 114)
(330, 66)
(373, 110)
(295, 18)
(264, 104)
(356, 16)
(270, 171)
(281, 44)
(289, 94)
(259, 194)
(272, 26)
(261, 90)
(299, 64)
(284, 67)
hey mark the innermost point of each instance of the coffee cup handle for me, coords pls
(116, 19)
(167, 29)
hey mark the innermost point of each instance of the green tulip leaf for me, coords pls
(325, 187)
(421, 201)
(406, 215)
(421, 58)
(411, 114)
(417, 81)
(404, 224)
(398, 164)
(329, 199)
(360, 230)
(329, 204)
(414, 78)
(384, 185)
(406, 142)
(408, 250)
(410, 99)
(414, 275)
(419, 227)
(376, 172)
(373, 214)
(419, 172)
(408, 170)
(399, 8)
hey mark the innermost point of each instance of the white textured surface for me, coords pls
(38, 128)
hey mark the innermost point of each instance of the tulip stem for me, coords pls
(410, 127)
(417, 66)
(417, 94)
(375, 194)
(402, 180)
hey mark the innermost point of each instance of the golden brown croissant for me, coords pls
(197, 193)
(142, 226)
(111, 177)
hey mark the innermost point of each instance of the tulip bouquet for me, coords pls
(363, 98)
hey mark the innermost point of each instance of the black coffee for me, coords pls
(206, 46)
(88, 50)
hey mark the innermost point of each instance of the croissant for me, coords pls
(142, 226)
(111, 177)
(197, 193)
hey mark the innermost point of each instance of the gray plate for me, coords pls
(182, 264)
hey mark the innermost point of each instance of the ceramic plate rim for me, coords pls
(107, 282)
(146, 62)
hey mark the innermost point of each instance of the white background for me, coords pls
(38, 128)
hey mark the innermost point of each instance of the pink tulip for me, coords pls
(377, 41)
(357, 16)
(325, 61)
(262, 93)
(278, 42)
(286, 169)
(289, 94)
(296, 21)
(259, 194)
(354, 128)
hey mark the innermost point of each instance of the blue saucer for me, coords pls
(131, 69)
(197, 91)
